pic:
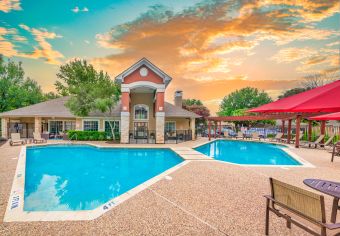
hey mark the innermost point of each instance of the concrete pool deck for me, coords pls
(202, 198)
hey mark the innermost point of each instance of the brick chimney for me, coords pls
(178, 98)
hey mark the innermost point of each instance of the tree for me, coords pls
(190, 102)
(89, 90)
(316, 80)
(200, 110)
(244, 98)
(51, 95)
(291, 92)
(15, 90)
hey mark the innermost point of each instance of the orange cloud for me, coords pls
(9, 5)
(198, 45)
(44, 50)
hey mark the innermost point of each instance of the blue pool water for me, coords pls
(250, 153)
(80, 177)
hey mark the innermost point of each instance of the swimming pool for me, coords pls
(250, 153)
(81, 177)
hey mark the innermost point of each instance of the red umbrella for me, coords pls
(331, 116)
(321, 99)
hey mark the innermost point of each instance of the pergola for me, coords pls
(321, 100)
(273, 116)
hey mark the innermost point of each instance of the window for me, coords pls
(90, 125)
(56, 126)
(170, 126)
(115, 125)
(141, 112)
(69, 125)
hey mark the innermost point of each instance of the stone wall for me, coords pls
(160, 120)
(124, 127)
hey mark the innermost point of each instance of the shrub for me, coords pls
(87, 135)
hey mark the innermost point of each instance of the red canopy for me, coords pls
(321, 99)
(332, 116)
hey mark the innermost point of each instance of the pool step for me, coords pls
(190, 154)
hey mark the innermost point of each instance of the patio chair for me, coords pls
(15, 139)
(239, 135)
(256, 136)
(315, 143)
(288, 201)
(336, 151)
(277, 138)
(37, 138)
(328, 143)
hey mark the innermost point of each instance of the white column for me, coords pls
(4, 127)
(124, 126)
(160, 120)
(193, 128)
(37, 125)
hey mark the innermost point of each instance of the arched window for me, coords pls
(141, 112)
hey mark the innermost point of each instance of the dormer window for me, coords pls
(141, 112)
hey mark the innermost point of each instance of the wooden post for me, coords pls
(297, 131)
(283, 127)
(323, 129)
(220, 129)
(309, 130)
(209, 130)
(215, 124)
(289, 131)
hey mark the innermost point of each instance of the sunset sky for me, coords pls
(209, 48)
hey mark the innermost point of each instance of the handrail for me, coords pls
(70, 138)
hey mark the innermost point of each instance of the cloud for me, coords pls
(44, 49)
(204, 43)
(292, 54)
(77, 9)
(9, 38)
(10, 5)
(7, 48)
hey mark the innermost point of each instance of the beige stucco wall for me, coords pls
(181, 123)
(146, 99)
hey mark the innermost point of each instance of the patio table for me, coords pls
(327, 187)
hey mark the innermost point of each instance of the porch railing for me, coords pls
(177, 136)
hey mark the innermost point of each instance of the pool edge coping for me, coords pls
(15, 205)
(286, 148)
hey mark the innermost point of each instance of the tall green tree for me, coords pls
(244, 98)
(197, 107)
(89, 90)
(15, 90)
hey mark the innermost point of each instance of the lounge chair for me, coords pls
(37, 138)
(287, 201)
(336, 151)
(277, 138)
(256, 135)
(15, 139)
(315, 143)
(239, 135)
(328, 143)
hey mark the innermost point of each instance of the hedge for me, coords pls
(90, 135)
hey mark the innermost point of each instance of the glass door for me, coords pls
(140, 130)
(56, 126)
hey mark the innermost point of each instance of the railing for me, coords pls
(177, 136)
(142, 136)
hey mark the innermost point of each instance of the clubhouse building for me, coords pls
(141, 115)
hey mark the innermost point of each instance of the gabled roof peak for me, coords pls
(144, 61)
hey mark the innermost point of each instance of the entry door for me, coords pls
(56, 126)
(140, 129)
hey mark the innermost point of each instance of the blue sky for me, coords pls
(215, 45)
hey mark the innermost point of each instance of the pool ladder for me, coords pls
(70, 139)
